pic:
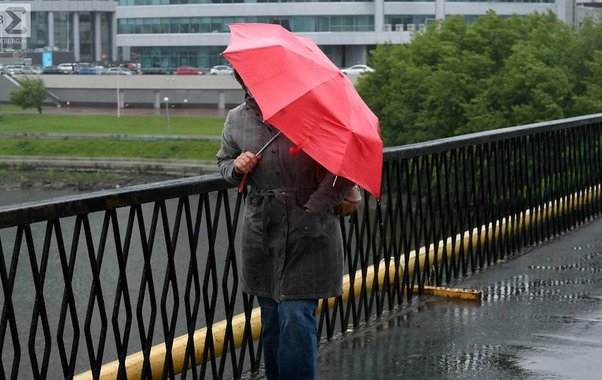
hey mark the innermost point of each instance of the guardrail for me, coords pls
(145, 278)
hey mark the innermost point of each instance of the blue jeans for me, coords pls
(289, 338)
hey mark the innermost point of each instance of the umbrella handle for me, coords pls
(243, 181)
(244, 178)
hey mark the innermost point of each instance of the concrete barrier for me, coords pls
(209, 91)
(135, 91)
(6, 85)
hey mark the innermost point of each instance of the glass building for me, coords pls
(171, 33)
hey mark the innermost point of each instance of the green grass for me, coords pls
(108, 124)
(174, 149)
(13, 120)
(13, 108)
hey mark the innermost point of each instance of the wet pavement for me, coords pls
(540, 318)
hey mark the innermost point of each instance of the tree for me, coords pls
(456, 78)
(32, 94)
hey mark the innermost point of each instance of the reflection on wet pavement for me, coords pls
(540, 318)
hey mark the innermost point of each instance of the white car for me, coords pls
(67, 68)
(13, 69)
(221, 70)
(31, 70)
(357, 70)
(117, 71)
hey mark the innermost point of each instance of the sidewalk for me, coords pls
(540, 318)
(192, 111)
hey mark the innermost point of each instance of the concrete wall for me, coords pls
(221, 99)
(582, 12)
(209, 91)
(5, 86)
(141, 90)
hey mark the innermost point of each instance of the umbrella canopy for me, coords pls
(303, 94)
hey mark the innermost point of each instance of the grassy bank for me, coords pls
(109, 124)
(71, 180)
(32, 123)
(14, 122)
(174, 149)
(54, 175)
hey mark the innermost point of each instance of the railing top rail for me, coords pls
(441, 145)
(71, 205)
(78, 204)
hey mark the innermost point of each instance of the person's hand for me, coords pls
(245, 162)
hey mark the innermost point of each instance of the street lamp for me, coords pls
(166, 100)
(118, 100)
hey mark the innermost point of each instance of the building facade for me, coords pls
(588, 9)
(170, 33)
(86, 28)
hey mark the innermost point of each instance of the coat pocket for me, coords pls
(253, 213)
(306, 223)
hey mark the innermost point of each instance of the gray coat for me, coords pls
(287, 252)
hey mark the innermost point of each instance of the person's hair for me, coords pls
(239, 80)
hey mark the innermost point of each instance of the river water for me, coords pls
(23, 296)
(10, 197)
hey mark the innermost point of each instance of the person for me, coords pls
(292, 248)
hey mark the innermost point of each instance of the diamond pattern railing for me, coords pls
(143, 281)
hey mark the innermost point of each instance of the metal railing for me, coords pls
(145, 279)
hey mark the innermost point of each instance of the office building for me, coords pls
(170, 33)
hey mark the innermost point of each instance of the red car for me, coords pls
(189, 70)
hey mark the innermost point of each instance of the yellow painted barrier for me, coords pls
(134, 362)
(462, 294)
(494, 230)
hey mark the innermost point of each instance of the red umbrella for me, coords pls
(303, 94)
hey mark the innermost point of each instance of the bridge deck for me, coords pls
(540, 318)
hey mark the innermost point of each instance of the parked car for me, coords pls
(221, 70)
(67, 68)
(13, 69)
(52, 70)
(156, 71)
(357, 70)
(131, 66)
(88, 71)
(117, 71)
(82, 65)
(31, 70)
(189, 70)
